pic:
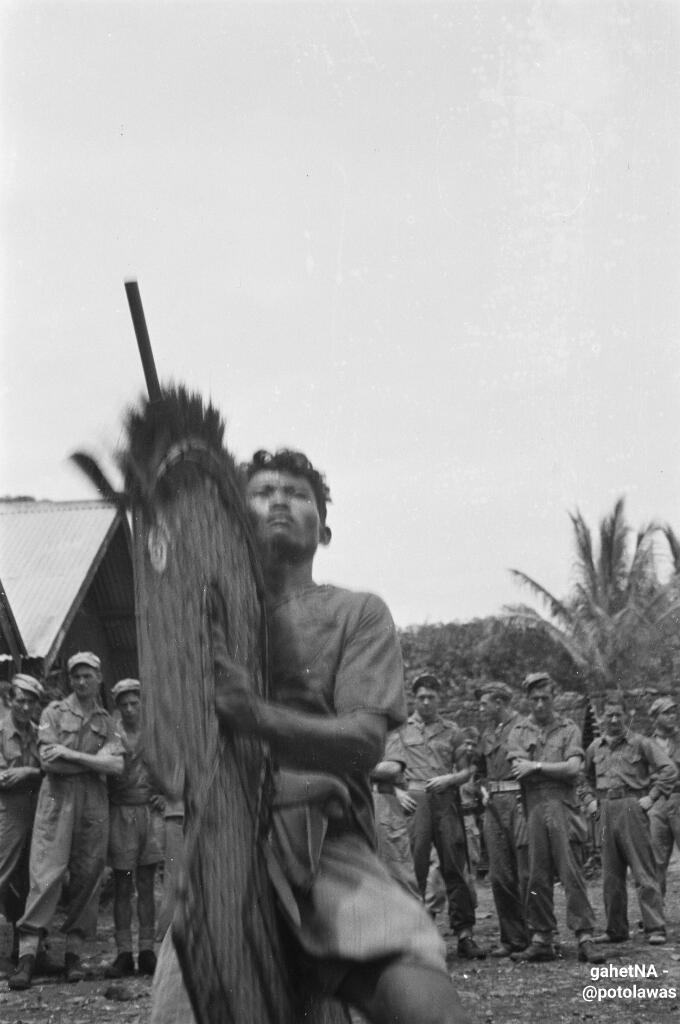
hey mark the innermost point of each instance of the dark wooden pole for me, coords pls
(143, 341)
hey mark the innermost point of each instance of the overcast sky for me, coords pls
(436, 246)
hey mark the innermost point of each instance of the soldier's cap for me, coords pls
(470, 732)
(425, 679)
(662, 704)
(29, 684)
(536, 679)
(496, 689)
(125, 686)
(84, 658)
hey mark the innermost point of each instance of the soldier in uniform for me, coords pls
(626, 774)
(19, 784)
(546, 756)
(664, 815)
(78, 748)
(432, 804)
(505, 827)
(135, 837)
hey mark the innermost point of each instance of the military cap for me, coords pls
(536, 679)
(29, 684)
(425, 679)
(662, 704)
(84, 658)
(497, 689)
(125, 686)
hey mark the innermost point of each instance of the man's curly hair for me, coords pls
(287, 460)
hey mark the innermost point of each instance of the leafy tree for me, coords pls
(613, 623)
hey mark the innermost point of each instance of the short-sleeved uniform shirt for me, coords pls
(135, 785)
(333, 652)
(18, 747)
(64, 722)
(430, 748)
(494, 750)
(670, 745)
(557, 741)
(631, 760)
(551, 743)
(394, 748)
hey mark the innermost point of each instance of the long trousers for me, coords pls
(552, 851)
(436, 820)
(505, 832)
(626, 843)
(664, 825)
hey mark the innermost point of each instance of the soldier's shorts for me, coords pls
(136, 836)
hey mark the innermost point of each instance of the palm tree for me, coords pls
(611, 621)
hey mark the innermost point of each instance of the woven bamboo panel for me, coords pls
(192, 553)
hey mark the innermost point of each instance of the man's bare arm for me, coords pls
(346, 743)
(55, 757)
(563, 770)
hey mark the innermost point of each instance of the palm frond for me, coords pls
(585, 561)
(674, 544)
(524, 615)
(558, 609)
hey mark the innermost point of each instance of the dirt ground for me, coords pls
(495, 992)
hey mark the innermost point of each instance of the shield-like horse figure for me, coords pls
(194, 559)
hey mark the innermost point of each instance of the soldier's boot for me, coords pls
(589, 952)
(123, 965)
(73, 967)
(146, 961)
(21, 978)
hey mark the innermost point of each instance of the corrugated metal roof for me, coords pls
(46, 551)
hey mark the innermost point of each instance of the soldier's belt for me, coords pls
(504, 786)
(621, 792)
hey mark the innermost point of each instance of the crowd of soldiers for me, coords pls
(76, 794)
(537, 788)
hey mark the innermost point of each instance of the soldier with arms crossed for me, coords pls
(546, 755)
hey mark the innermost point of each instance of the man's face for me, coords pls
(667, 721)
(130, 707)
(427, 703)
(615, 720)
(24, 706)
(85, 681)
(285, 514)
(541, 700)
(489, 709)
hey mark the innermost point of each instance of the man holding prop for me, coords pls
(336, 689)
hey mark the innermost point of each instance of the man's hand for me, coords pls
(406, 802)
(236, 703)
(439, 784)
(54, 752)
(646, 803)
(521, 767)
(11, 777)
(157, 802)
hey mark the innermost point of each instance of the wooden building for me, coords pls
(66, 585)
